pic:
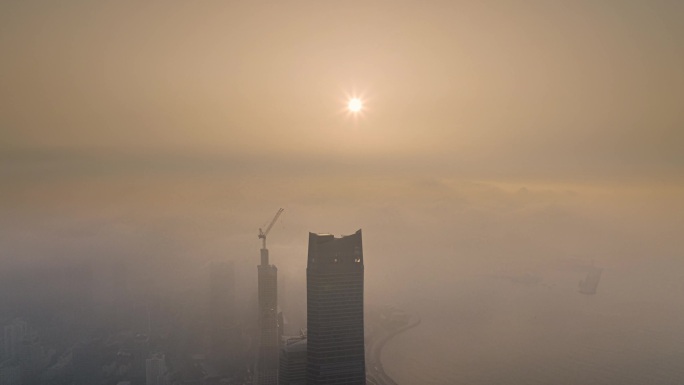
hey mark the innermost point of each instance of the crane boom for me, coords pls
(280, 211)
(262, 234)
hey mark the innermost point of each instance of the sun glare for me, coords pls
(354, 105)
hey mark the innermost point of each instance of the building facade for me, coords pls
(334, 274)
(155, 370)
(267, 355)
(293, 361)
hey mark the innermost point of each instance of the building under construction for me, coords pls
(267, 355)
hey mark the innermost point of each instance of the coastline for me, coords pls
(375, 372)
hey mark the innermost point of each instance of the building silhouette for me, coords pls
(223, 330)
(590, 284)
(10, 372)
(334, 285)
(267, 355)
(13, 338)
(155, 370)
(88, 357)
(293, 361)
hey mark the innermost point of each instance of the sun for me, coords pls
(354, 105)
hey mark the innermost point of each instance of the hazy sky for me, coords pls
(178, 128)
(499, 139)
(531, 87)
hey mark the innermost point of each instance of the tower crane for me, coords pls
(263, 234)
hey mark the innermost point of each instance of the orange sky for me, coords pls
(194, 123)
(538, 88)
(500, 138)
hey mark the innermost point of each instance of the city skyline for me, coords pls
(516, 167)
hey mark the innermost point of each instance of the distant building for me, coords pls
(590, 284)
(88, 356)
(223, 331)
(141, 351)
(155, 370)
(34, 357)
(267, 355)
(334, 286)
(13, 336)
(293, 361)
(10, 372)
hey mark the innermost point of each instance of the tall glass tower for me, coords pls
(334, 286)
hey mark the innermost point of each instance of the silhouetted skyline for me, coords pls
(494, 153)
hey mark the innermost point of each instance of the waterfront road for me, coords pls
(384, 325)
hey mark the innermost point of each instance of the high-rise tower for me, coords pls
(267, 355)
(267, 360)
(334, 286)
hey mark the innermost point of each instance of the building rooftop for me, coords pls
(326, 249)
(296, 346)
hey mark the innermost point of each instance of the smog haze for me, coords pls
(503, 152)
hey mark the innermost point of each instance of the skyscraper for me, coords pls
(334, 286)
(267, 359)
